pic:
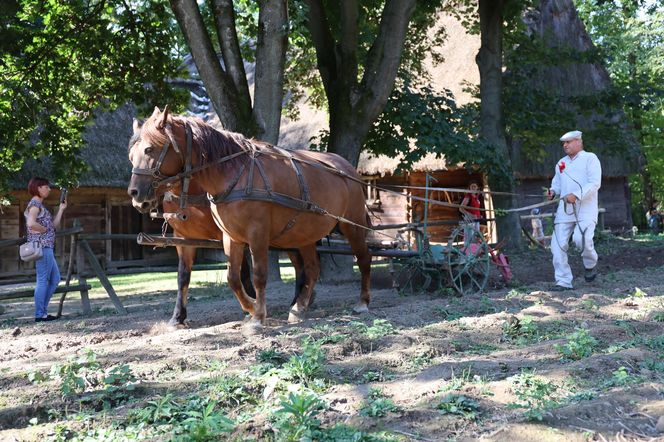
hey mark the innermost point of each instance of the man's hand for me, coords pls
(571, 198)
(550, 194)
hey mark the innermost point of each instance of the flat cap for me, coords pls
(573, 135)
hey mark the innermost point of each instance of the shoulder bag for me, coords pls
(31, 251)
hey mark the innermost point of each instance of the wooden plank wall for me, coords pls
(99, 210)
(458, 178)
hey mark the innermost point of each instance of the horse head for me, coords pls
(155, 155)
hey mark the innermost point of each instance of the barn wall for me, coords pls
(395, 209)
(99, 210)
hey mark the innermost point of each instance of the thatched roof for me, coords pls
(105, 153)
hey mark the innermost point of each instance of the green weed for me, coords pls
(535, 395)
(378, 405)
(460, 405)
(579, 345)
(521, 331)
(296, 419)
(377, 330)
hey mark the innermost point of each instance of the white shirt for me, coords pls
(581, 176)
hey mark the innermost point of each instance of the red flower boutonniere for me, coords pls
(561, 166)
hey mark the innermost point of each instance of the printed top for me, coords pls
(581, 176)
(46, 239)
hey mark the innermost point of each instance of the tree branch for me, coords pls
(219, 86)
(270, 61)
(384, 57)
(224, 18)
(321, 36)
(348, 70)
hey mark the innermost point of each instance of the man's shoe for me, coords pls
(591, 274)
(560, 288)
(46, 319)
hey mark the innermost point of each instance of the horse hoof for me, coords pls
(252, 327)
(361, 308)
(175, 325)
(296, 316)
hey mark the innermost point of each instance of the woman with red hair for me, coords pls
(41, 228)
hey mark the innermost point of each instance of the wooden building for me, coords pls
(391, 208)
(100, 203)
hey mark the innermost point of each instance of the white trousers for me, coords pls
(560, 245)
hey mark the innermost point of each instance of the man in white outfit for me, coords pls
(577, 179)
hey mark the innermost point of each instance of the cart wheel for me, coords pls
(468, 260)
(414, 276)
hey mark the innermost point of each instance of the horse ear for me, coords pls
(165, 117)
(155, 112)
(137, 125)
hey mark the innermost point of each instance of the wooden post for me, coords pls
(96, 266)
(85, 299)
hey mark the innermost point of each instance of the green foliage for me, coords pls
(204, 423)
(308, 365)
(60, 61)
(579, 345)
(534, 394)
(380, 328)
(378, 405)
(296, 419)
(522, 331)
(77, 373)
(460, 405)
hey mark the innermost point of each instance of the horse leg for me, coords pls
(259, 249)
(309, 259)
(235, 253)
(357, 239)
(245, 274)
(186, 257)
(298, 266)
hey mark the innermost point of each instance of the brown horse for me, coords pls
(195, 222)
(262, 196)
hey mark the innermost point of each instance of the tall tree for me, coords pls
(59, 61)
(226, 81)
(628, 35)
(356, 92)
(492, 124)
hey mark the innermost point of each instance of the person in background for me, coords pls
(470, 205)
(654, 217)
(41, 227)
(536, 225)
(577, 179)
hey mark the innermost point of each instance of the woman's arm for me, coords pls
(58, 216)
(465, 202)
(31, 220)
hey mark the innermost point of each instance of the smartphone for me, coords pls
(63, 194)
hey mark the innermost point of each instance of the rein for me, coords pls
(230, 194)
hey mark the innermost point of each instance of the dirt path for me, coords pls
(482, 354)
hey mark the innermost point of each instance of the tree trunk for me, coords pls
(492, 124)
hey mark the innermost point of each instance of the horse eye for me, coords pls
(148, 149)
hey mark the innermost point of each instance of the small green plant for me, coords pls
(579, 345)
(447, 313)
(76, 374)
(36, 377)
(378, 405)
(307, 366)
(271, 356)
(377, 330)
(535, 395)
(589, 305)
(330, 334)
(460, 405)
(638, 293)
(232, 391)
(456, 383)
(159, 411)
(296, 419)
(657, 317)
(521, 331)
(204, 424)
(621, 377)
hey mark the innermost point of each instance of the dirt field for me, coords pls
(517, 363)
